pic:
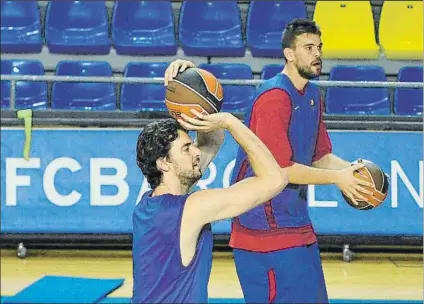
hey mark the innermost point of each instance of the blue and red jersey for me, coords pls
(290, 124)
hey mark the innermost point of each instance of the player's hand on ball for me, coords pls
(205, 122)
(176, 66)
(351, 186)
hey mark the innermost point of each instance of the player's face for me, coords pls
(185, 159)
(307, 54)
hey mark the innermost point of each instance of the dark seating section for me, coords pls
(265, 23)
(20, 27)
(236, 97)
(77, 27)
(143, 97)
(28, 94)
(357, 101)
(211, 28)
(143, 28)
(83, 96)
(204, 28)
(271, 70)
(150, 97)
(409, 101)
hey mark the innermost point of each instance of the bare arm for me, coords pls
(271, 121)
(209, 144)
(342, 178)
(332, 162)
(210, 205)
(304, 175)
(326, 170)
(271, 117)
(206, 206)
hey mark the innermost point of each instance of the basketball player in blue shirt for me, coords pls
(172, 240)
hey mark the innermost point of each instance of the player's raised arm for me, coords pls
(209, 144)
(215, 204)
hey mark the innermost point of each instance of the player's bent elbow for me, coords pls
(280, 182)
(274, 184)
(284, 178)
(280, 179)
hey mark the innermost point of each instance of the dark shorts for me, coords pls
(291, 275)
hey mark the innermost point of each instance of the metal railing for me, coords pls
(159, 80)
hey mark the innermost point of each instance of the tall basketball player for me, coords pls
(278, 239)
(275, 247)
(172, 240)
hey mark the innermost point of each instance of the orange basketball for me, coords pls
(374, 174)
(194, 89)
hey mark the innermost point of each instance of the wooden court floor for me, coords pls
(369, 276)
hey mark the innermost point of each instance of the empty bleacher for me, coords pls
(83, 96)
(143, 97)
(347, 29)
(211, 29)
(28, 94)
(143, 28)
(77, 27)
(401, 30)
(236, 97)
(357, 101)
(20, 27)
(234, 40)
(409, 101)
(271, 70)
(263, 34)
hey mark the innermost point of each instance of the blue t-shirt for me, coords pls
(158, 272)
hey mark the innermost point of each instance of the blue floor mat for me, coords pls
(53, 289)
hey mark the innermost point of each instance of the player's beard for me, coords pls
(188, 177)
(307, 72)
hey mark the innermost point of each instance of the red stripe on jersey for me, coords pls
(270, 215)
(270, 240)
(272, 285)
(241, 174)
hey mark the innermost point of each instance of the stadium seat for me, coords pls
(20, 27)
(270, 70)
(28, 94)
(77, 27)
(83, 95)
(144, 97)
(211, 29)
(401, 30)
(409, 101)
(236, 97)
(351, 34)
(266, 21)
(357, 101)
(143, 28)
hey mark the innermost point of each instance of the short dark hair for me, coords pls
(154, 142)
(295, 28)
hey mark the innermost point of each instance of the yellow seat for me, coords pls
(347, 29)
(401, 30)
